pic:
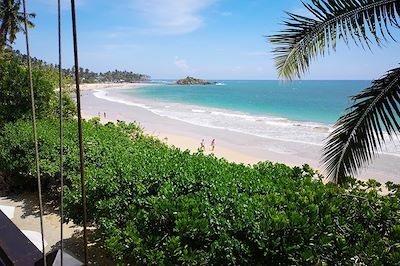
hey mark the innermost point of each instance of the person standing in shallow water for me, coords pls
(212, 145)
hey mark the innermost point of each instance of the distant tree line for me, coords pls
(86, 75)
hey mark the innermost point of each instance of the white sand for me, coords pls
(233, 146)
(124, 85)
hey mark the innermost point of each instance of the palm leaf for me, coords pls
(360, 133)
(11, 22)
(305, 38)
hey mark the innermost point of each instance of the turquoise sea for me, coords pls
(299, 111)
(315, 101)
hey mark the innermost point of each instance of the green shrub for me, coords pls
(17, 149)
(157, 205)
(15, 99)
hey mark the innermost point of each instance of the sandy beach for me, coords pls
(233, 146)
(108, 86)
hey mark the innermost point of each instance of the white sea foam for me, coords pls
(264, 126)
(198, 111)
(104, 95)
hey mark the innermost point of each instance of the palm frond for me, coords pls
(305, 38)
(11, 22)
(360, 133)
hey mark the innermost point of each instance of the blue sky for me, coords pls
(170, 39)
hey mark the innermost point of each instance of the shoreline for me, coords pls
(233, 146)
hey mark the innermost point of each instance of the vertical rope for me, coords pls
(61, 135)
(81, 155)
(34, 131)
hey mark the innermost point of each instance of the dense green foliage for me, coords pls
(50, 70)
(158, 205)
(88, 76)
(15, 99)
(17, 155)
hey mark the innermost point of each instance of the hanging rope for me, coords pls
(81, 156)
(61, 136)
(34, 131)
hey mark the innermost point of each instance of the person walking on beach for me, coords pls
(213, 145)
(105, 115)
(202, 146)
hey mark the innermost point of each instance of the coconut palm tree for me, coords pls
(11, 21)
(360, 133)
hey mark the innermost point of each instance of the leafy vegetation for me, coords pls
(50, 70)
(11, 21)
(15, 99)
(158, 205)
(115, 76)
(360, 133)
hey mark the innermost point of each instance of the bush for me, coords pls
(15, 99)
(17, 149)
(158, 205)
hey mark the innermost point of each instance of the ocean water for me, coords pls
(298, 111)
(315, 101)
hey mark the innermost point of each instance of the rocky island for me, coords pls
(194, 81)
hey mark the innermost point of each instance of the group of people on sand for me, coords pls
(203, 146)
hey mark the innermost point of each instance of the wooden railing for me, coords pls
(15, 248)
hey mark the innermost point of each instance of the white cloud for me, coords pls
(182, 65)
(172, 16)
